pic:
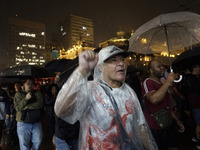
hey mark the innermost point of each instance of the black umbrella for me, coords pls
(58, 65)
(186, 59)
(27, 70)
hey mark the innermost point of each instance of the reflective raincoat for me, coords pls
(87, 101)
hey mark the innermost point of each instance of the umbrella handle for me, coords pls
(180, 77)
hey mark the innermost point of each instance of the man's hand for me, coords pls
(181, 126)
(87, 61)
(171, 77)
(28, 95)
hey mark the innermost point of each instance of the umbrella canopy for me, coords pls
(58, 65)
(187, 58)
(27, 70)
(167, 33)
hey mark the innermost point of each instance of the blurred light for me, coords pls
(143, 40)
(61, 28)
(146, 58)
(63, 33)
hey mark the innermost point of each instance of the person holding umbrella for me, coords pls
(108, 109)
(157, 101)
(192, 90)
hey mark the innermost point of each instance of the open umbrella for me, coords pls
(167, 33)
(58, 65)
(27, 70)
(186, 59)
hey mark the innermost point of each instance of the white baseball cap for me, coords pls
(110, 51)
(105, 54)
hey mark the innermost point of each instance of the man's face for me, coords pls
(54, 90)
(114, 69)
(157, 69)
(196, 70)
(28, 85)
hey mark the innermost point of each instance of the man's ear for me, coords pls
(151, 71)
(100, 67)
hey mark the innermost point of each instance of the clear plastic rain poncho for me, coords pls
(100, 127)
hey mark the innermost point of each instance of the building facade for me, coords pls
(121, 41)
(25, 43)
(74, 29)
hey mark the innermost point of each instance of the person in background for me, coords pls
(157, 97)
(28, 131)
(133, 80)
(50, 99)
(66, 135)
(18, 86)
(4, 109)
(108, 109)
(192, 90)
(13, 123)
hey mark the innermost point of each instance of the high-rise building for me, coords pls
(74, 29)
(25, 42)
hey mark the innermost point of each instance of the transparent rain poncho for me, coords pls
(88, 102)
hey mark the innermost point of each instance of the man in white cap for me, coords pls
(108, 109)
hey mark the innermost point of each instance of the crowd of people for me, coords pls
(116, 110)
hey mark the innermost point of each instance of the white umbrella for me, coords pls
(167, 33)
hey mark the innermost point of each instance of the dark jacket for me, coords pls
(65, 131)
(21, 103)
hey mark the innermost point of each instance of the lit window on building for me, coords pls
(63, 33)
(84, 28)
(61, 28)
(87, 34)
(27, 34)
(21, 52)
(32, 46)
(42, 33)
(42, 60)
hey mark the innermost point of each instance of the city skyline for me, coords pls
(109, 17)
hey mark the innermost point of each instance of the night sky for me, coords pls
(109, 16)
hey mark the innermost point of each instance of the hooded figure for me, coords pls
(108, 109)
